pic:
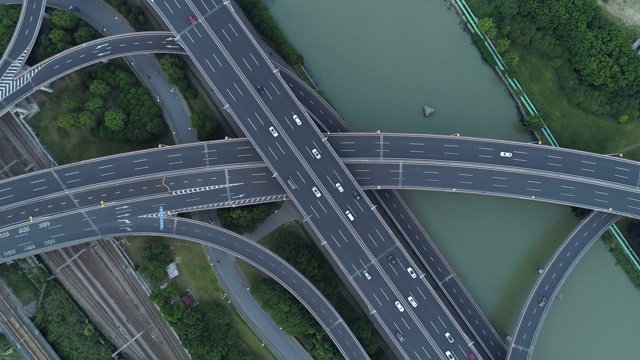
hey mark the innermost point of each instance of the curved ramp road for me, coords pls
(549, 283)
(221, 239)
(84, 55)
(21, 42)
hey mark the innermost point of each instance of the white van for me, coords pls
(349, 215)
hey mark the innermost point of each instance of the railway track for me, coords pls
(110, 295)
(16, 322)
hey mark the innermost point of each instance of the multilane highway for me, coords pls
(239, 74)
(549, 163)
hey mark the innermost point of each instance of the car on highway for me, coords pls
(292, 185)
(411, 272)
(316, 191)
(412, 301)
(349, 215)
(471, 356)
(391, 258)
(261, 89)
(193, 20)
(355, 194)
(450, 355)
(73, 8)
(506, 154)
(449, 337)
(542, 301)
(316, 153)
(339, 187)
(400, 336)
(297, 119)
(366, 274)
(273, 131)
(399, 306)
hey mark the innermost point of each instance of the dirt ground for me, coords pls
(627, 10)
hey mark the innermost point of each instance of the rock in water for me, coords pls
(428, 111)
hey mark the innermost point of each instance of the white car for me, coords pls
(412, 301)
(399, 306)
(506, 154)
(339, 187)
(450, 355)
(316, 153)
(273, 131)
(316, 191)
(449, 337)
(366, 274)
(297, 119)
(411, 272)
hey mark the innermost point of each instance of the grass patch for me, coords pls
(73, 146)
(196, 275)
(572, 127)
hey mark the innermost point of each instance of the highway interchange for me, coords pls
(582, 168)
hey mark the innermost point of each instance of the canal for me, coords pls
(379, 62)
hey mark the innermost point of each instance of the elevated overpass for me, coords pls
(621, 175)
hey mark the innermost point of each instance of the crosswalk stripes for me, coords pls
(8, 82)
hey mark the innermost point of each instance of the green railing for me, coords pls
(526, 104)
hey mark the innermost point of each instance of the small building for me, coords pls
(189, 300)
(172, 270)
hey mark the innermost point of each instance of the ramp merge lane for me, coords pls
(234, 67)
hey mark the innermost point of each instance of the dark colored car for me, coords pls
(356, 194)
(391, 258)
(73, 8)
(260, 89)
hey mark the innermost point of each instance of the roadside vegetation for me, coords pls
(226, 335)
(9, 15)
(245, 219)
(621, 257)
(292, 243)
(577, 66)
(66, 327)
(17, 280)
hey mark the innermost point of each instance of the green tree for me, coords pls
(153, 264)
(60, 39)
(64, 20)
(85, 34)
(95, 105)
(208, 129)
(488, 27)
(533, 123)
(99, 87)
(9, 15)
(88, 120)
(623, 119)
(511, 59)
(245, 219)
(115, 119)
(502, 45)
(68, 121)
